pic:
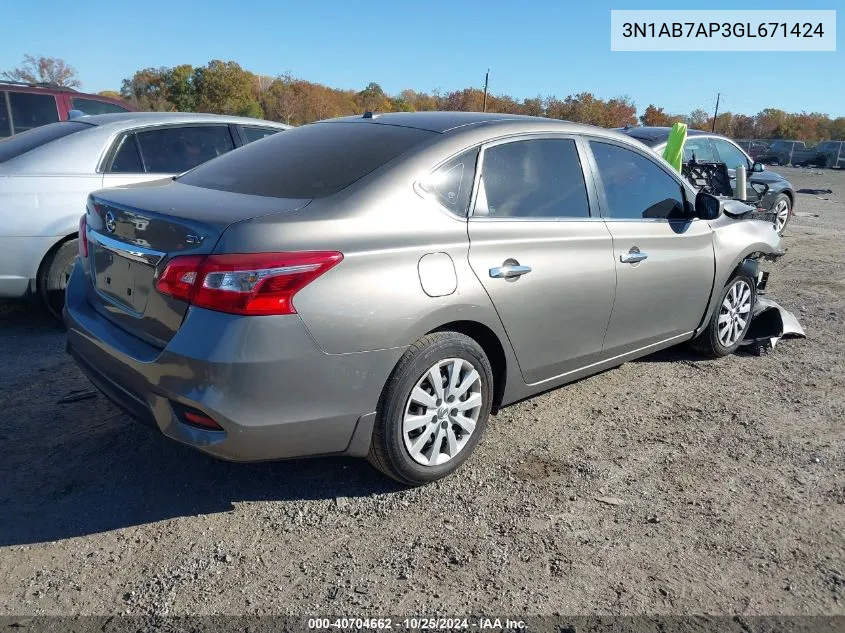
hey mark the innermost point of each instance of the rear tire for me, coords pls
(425, 431)
(54, 274)
(730, 320)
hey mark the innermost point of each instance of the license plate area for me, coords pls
(123, 281)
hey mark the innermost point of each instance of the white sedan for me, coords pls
(47, 173)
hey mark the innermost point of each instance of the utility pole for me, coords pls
(715, 114)
(486, 80)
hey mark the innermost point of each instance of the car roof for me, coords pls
(132, 119)
(652, 136)
(79, 153)
(443, 122)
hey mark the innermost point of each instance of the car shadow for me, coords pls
(677, 354)
(98, 481)
(78, 466)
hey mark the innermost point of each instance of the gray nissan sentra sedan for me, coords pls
(376, 286)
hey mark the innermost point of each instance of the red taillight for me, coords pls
(202, 421)
(250, 283)
(179, 277)
(83, 237)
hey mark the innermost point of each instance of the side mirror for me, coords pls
(757, 167)
(707, 206)
(710, 207)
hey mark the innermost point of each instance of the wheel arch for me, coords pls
(45, 258)
(747, 262)
(493, 348)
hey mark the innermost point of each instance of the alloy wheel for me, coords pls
(734, 313)
(442, 411)
(781, 214)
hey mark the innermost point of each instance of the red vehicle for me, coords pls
(24, 106)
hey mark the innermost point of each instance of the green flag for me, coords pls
(674, 152)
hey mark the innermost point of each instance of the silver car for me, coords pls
(376, 286)
(47, 173)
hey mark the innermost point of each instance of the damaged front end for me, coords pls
(770, 322)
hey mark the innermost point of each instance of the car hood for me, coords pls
(766, 177)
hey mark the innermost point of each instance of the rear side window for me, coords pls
(312, 161)
(5, 124)
(19, 144)
(635, 187)
(451, 183)
(533, 179)
(31, 110)
(178, 149)
(94, 106)
(701, 149)
(127, 160)
(257, 133)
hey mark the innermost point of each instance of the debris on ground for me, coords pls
(77, 395)
(815, 192)
(611, 501)
(769, 323)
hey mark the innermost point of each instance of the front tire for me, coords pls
(730, 320)
(54, 275)
(433, 409)
(782, 208)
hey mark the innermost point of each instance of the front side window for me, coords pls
(451, 183)
(94, 106)
(177, 149)
(539, 178)
(730, 154)
(699, 148)
(636, 188)
(31, 110)
(127, 160)
(257, 133)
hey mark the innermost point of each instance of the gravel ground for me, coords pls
(670, 485)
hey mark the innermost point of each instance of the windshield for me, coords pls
(24, 142)
(312, 161)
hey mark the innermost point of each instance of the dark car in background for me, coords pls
(783, 152)
(24, 106)
(831, 154)
(772, 191)
(754, 148)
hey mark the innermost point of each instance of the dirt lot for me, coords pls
(730, 477)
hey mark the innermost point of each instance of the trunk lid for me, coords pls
(134, 231)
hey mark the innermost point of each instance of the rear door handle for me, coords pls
(509, 271)
(633, 256)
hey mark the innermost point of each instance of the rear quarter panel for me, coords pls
(374, 298)
(44, 205)
(37, 212)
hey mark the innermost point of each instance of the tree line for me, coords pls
(227, 88)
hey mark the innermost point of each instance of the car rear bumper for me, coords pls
(275, 394)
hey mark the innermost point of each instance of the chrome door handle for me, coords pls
(633, 256)
(509, 271)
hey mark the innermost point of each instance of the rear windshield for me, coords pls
(646, 137)
(22, 143)
(313, 161)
